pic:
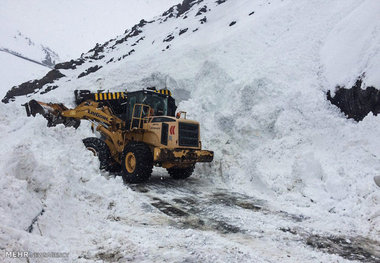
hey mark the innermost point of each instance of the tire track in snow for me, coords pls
(192, 204)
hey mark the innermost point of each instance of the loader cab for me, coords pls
(160, 101)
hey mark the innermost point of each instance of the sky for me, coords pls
(71, 31)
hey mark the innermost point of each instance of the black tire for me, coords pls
(100, 149)
(140, 155)
(181, 173)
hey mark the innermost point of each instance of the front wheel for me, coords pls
(100, 149)
(181, 173)
(137, 163)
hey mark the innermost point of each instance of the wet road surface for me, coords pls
(194, 204)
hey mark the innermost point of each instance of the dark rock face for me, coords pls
(128, 54)
(32, 86)
(168, 38)
(201, 11)
(220, 1)
(180, 8)
(49, 88)
(89, 71)
(186, 5)
(135, 31)
(72, 64)
(356, 102)
(97, 50)
(138, 40)
(183, 31)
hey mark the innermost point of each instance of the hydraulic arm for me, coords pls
(57, 113)
(138, 130)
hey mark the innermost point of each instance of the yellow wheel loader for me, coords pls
(137, 130)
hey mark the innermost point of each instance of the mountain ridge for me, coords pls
(100, 50)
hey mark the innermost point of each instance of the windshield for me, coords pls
(158, 103)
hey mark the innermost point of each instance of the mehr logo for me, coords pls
(16, 254)
(28, 254)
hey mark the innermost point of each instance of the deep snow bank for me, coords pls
(352, 48)
(351, 60)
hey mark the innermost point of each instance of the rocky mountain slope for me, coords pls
(38, 35)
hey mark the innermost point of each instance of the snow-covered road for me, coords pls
(249, 221)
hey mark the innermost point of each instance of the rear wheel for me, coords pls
(181, 173)
(137, 163)
(100, 149)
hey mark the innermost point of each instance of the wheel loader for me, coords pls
(136, 131)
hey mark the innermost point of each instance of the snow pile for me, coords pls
(258, 88)
(352, 48)
(51, 186)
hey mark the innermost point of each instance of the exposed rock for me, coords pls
(220, 1)
(49, 88)
(202, 11)
(141, 24)
(183, 31)
(128, 54)
(356, 102)
(32, 86)
(168, 38)
(203, 20)
(180, 9)
(89, 71)
(72, 64)
(97, 50)
(136, 30)
(140, 39)
(186, 5)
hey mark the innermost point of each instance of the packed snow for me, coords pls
(257, 87)
(352, 48)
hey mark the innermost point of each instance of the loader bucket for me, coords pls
(33, 107)
(52, 112)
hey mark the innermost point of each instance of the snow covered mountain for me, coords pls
(256, 75)
(35, 35)
(22, 59)
(23, 47)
